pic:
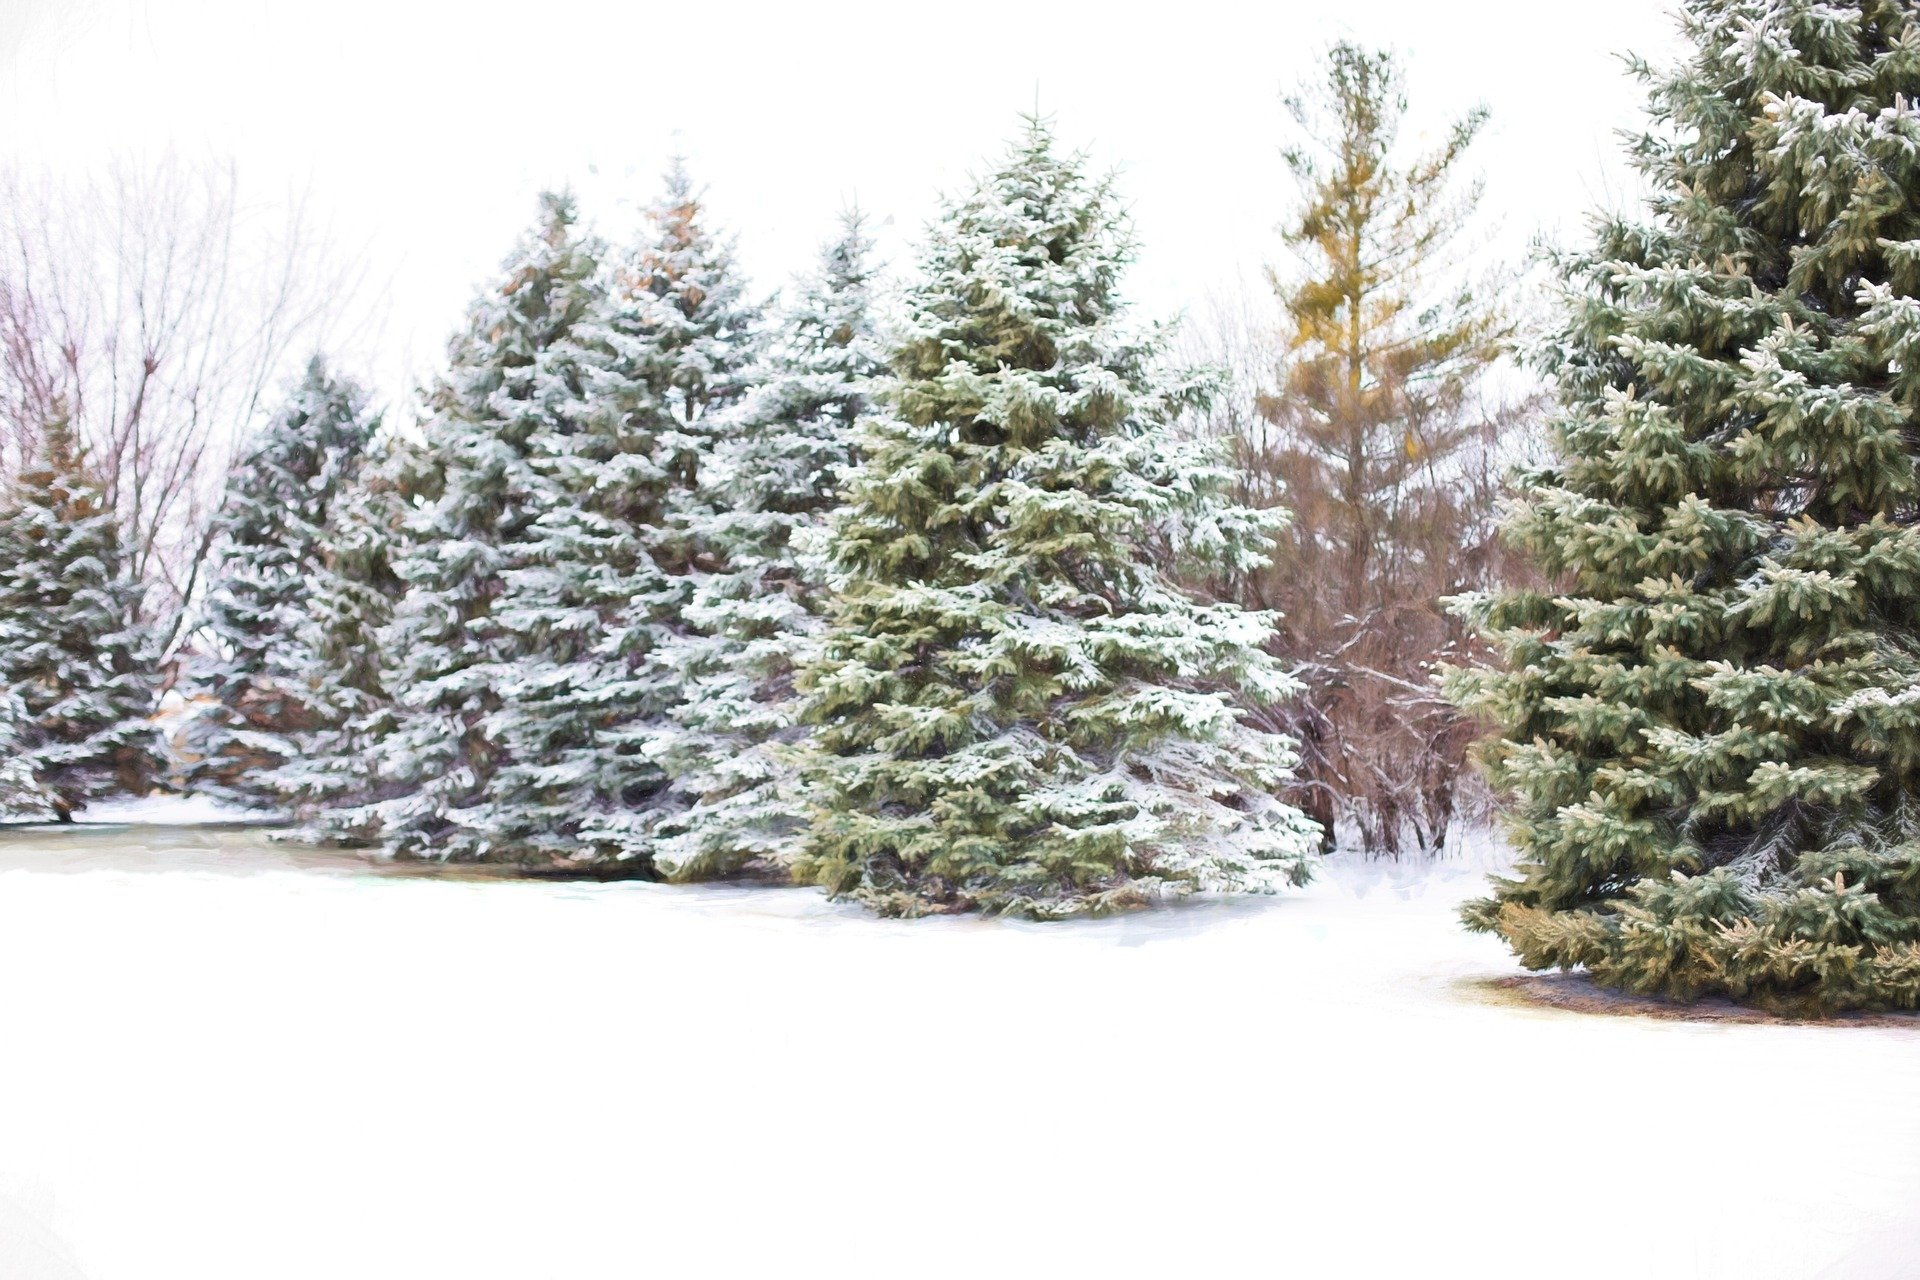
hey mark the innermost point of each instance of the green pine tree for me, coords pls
(1710, 723)
(1015, 709)
(351, 598)
(76, 665)
(22, 799)
(734, 799)
(450, 651)
(250, 690)
(611, 566)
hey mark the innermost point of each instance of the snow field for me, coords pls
(227, 1060)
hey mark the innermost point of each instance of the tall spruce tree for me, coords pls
(448, 653)
(1709, 727)
(667, 351)
(251, 710)
(354, 591)
(1015, 708)
(76, 664)
(754, 615)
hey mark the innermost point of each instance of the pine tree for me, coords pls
(354, 592)
(666, 353)
(75, 662)
(754, 617)
(1379, 439)
(1015, 708)
(22, 799)
(447, 652)
(251, 712)
(1709, 727)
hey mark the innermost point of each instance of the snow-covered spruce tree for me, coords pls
(1015, 709)
(250, 709)
(76, 663)
(1710, 729)
(754, 616)
(447, 654)
(354, 591)
(613, 565)
(22, 799)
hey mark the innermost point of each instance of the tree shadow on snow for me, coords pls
(1577, 993)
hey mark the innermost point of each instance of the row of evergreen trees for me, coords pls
(661, 588)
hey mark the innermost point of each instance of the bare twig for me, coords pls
(163, 309)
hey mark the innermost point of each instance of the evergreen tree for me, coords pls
(1379, 439)
(667, 351)
(448, 653)
(75, 663)
(1709, 727)
(354, 591)
(754, 616)
(22, 799)
(251, 710)
(1016, 709)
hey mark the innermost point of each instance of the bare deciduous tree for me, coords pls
(161, 309)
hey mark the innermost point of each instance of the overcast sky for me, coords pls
(423, 131)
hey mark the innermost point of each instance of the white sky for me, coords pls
(424, 130)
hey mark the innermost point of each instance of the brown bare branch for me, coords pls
(164, 309)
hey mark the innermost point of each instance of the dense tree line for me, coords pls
(966, 595)
(665, 585)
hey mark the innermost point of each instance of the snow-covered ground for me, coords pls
(166, 811)
(228, 1060)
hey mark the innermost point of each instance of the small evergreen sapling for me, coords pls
(1015, 709)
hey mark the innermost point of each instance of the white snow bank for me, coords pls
(224, 1063)
(166, 810)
